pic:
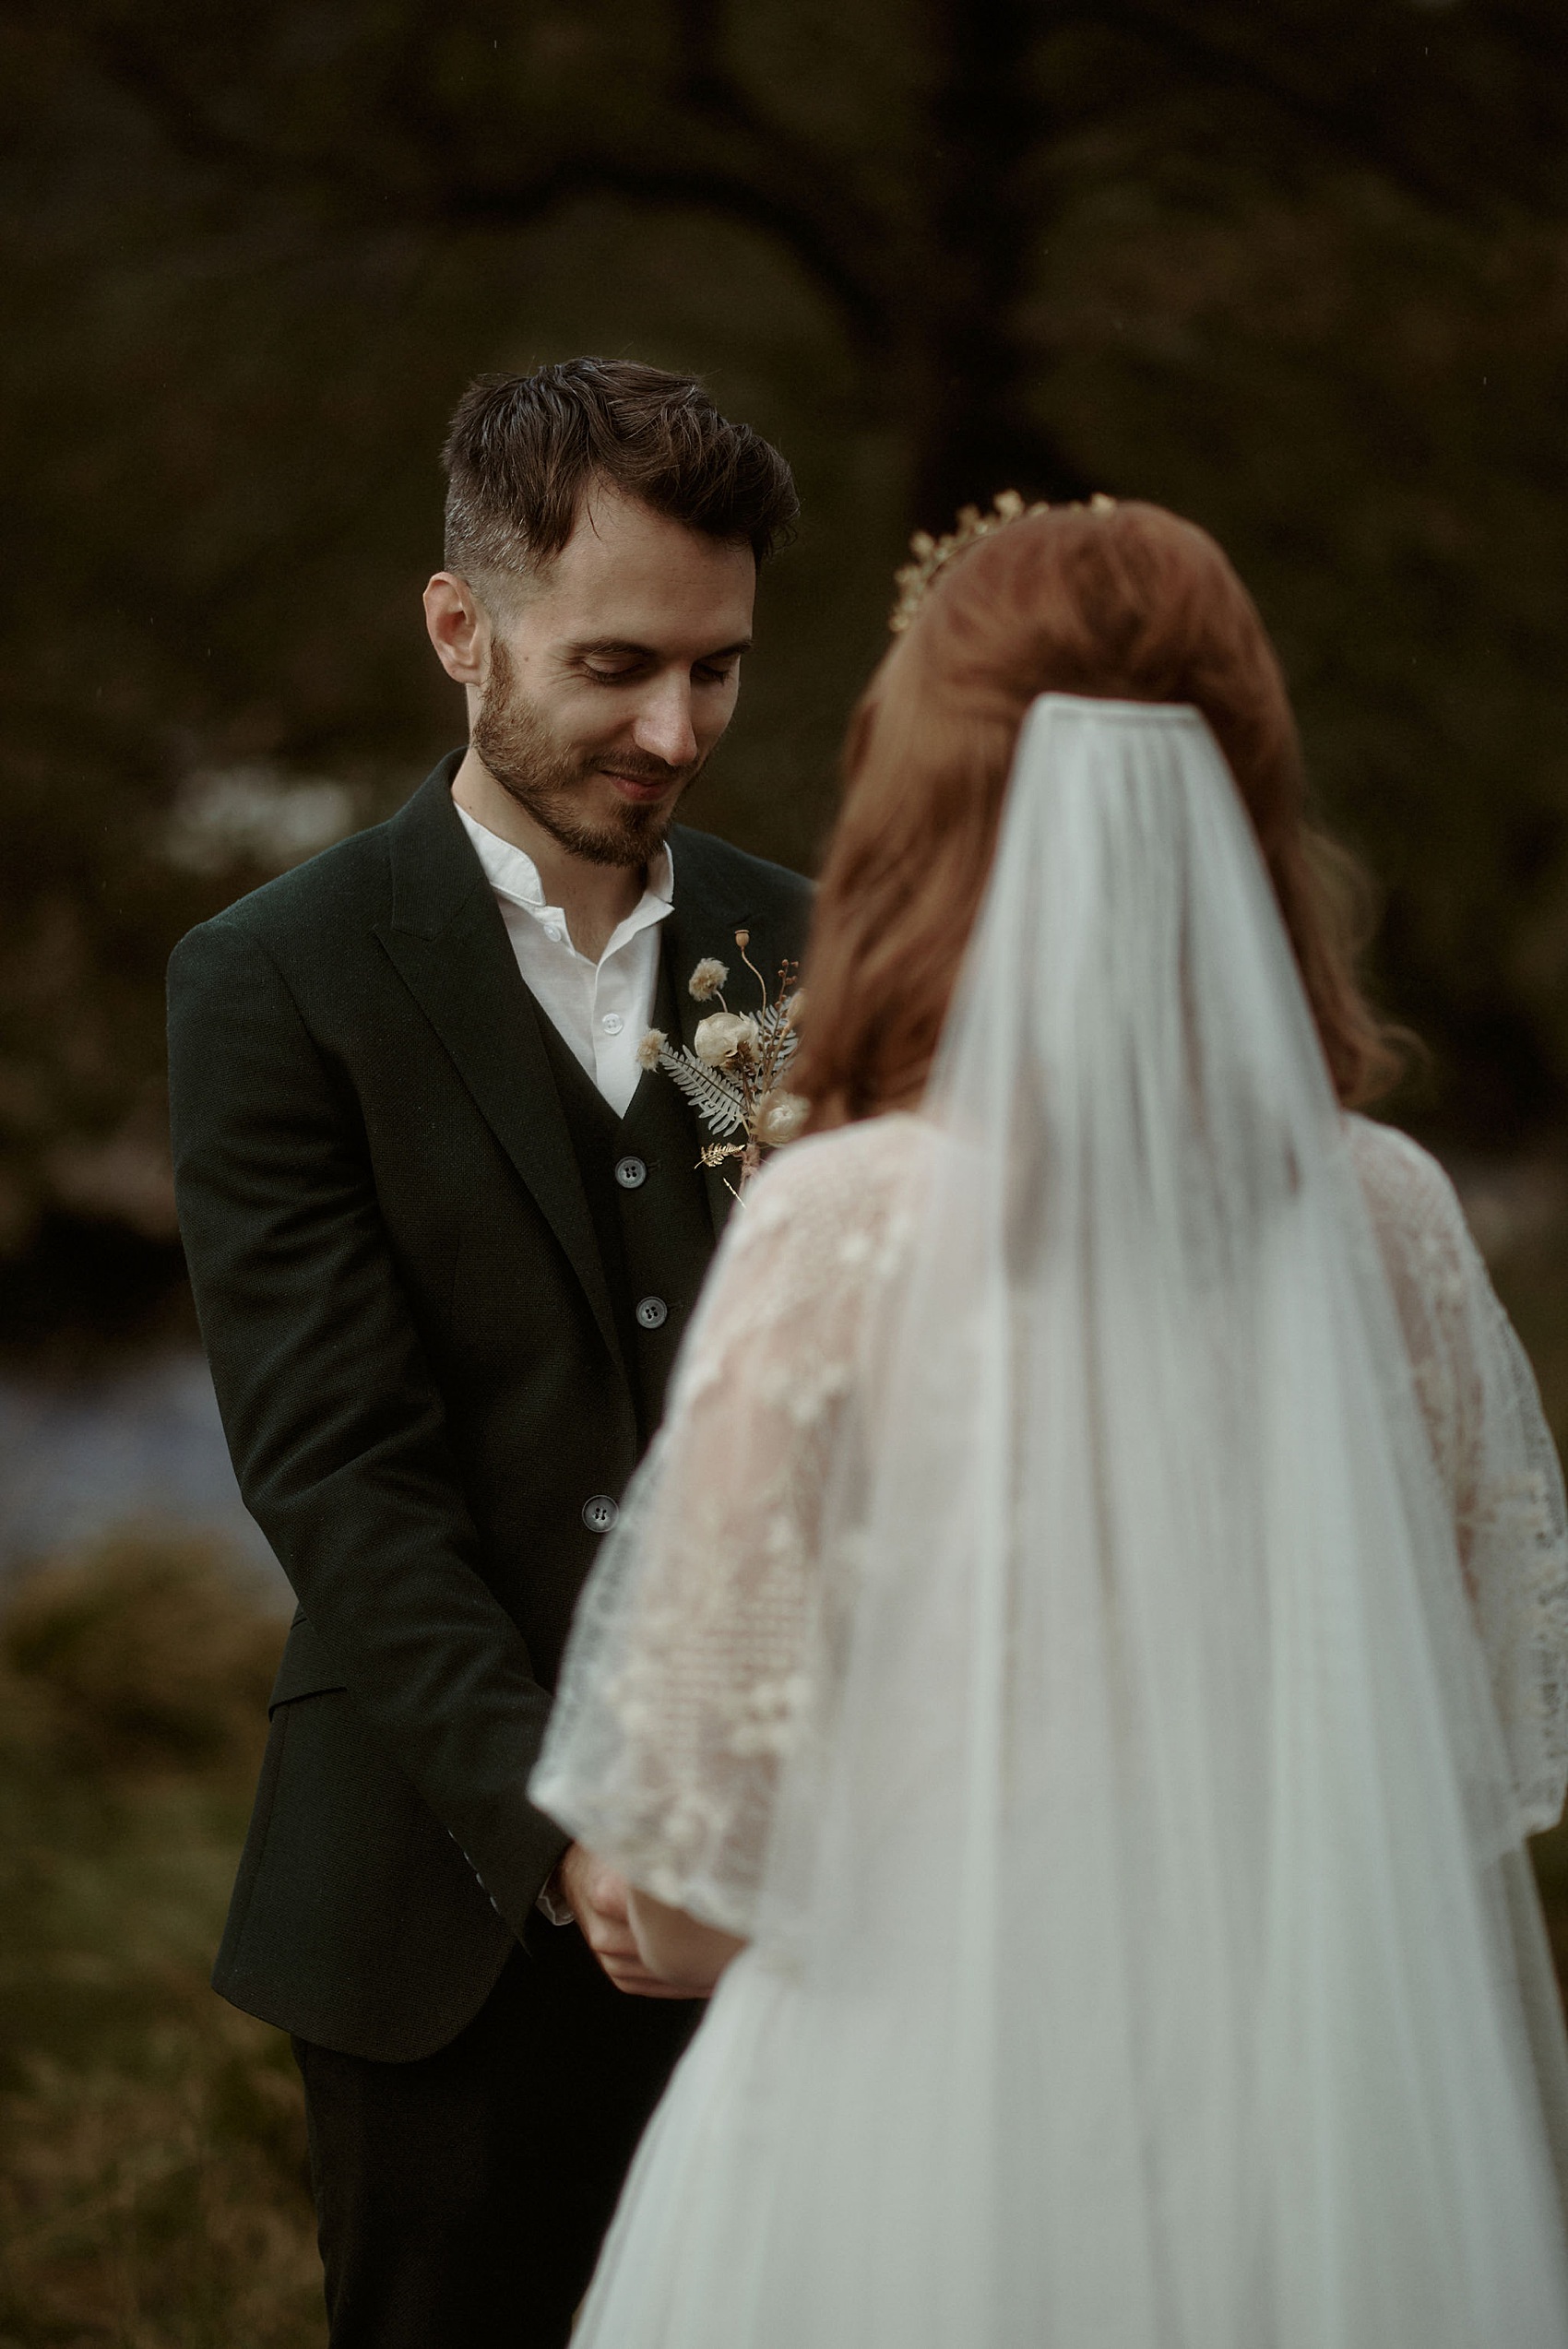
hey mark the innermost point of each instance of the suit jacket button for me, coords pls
(630, 1173)
(600, 1512)
(652, 1314)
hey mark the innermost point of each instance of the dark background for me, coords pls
(1297, 270)
(1300, 271)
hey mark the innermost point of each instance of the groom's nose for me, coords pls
(663, 726)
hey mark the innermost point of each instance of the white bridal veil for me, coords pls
(1128, 1827)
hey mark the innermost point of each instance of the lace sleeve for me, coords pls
(688, 1666)
(1494, 1450)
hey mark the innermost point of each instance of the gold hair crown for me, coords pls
(914, 580)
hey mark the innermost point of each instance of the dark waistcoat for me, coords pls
(649, 1198)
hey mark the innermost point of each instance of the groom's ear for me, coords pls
(458, 628)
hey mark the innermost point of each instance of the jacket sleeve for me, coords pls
(334, 1419)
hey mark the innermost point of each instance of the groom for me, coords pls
(444, 1237)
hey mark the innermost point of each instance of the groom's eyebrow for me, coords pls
(614, 648)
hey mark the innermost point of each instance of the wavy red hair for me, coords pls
(1127, 603)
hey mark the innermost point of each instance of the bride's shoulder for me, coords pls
(855, 1176)
(878, 1154)
(1405, 1189)
(822, 1227)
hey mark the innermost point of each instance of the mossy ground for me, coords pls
(152, 2154)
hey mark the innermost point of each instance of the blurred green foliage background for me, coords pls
(1301, 271)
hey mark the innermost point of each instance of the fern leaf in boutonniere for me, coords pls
(731, 1072)
(716, 1102)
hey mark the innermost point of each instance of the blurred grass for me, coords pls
(152, 2154)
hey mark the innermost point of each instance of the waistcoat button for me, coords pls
(652, 1314)
(630, 1173)
(600, 1512)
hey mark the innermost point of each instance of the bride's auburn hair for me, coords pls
(1124, 603)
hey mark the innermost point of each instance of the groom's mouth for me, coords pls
(641, 790)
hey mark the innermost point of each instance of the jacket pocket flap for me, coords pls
(306, 1668)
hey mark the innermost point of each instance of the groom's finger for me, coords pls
(614, 1945)
(638, 1983)
(607, 1896)
(598, 1898)
(610, 1937)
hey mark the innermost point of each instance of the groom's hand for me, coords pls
(597, 1898)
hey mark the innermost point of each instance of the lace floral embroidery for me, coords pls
(1493, 1449)
(699, 1631)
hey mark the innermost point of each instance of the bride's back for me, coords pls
(1096, 1621)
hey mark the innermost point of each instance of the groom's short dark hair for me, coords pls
(522, 451)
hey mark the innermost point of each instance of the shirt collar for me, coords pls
(512, 874)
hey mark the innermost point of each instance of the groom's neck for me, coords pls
(595, 897)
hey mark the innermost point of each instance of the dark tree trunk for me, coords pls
(970, 370)
(930, 287)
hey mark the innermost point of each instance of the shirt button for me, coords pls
(613, 1023)
(600, 1512)
(630, 1173)
(553, 934)
(652, 1312)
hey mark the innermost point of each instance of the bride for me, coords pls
(1081, 1660)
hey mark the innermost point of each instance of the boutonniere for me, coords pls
(732, 1071)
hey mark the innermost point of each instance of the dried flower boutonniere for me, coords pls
(732, 1071)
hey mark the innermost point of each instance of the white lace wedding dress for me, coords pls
(709, 1686)
(1096, 1623)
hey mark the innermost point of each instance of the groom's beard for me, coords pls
(512, 739)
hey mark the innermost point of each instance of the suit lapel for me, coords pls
(448, 943)
(707, 911)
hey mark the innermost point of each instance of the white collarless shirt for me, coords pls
(601, 1010)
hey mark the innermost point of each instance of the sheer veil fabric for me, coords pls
(1106, 1661)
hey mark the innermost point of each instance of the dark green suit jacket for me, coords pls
(424, 1383)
